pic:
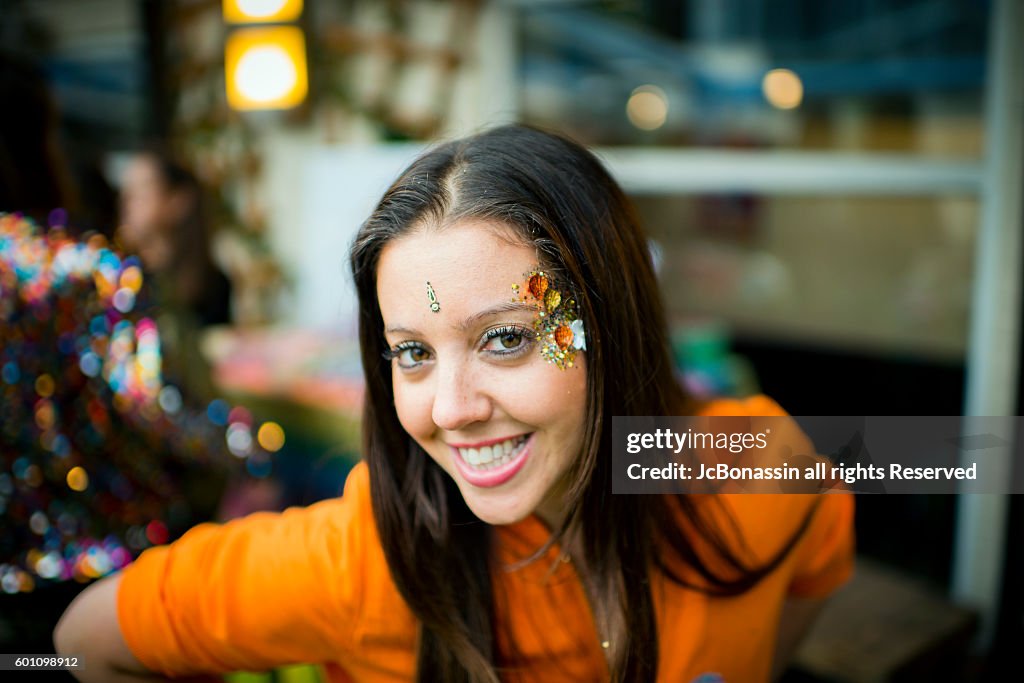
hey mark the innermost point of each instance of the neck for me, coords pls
(551, 515)
(552, 509)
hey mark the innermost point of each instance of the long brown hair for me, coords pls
(558, 196)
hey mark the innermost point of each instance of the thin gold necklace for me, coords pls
(566, 558)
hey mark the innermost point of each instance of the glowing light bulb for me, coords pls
(260, 9)
(265, 68)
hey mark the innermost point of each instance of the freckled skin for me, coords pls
(462, 391)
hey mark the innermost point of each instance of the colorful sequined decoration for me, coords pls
(100, 456)
(558, 325)
(434, 306)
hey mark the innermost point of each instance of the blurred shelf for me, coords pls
(678, 171)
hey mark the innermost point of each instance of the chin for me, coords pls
(497, 514)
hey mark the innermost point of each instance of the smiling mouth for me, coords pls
(491, 457)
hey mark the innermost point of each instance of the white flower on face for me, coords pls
(579, 339)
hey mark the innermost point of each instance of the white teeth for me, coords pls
(495, 455)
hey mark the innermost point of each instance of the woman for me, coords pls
(163, 221)
(508, 309)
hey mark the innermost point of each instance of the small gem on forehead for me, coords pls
(434, 305)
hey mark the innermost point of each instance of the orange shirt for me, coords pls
(310, 585)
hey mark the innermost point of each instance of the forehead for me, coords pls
(469, 265)
(141, 169)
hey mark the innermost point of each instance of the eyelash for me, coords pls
(527, 334)
(397, 350)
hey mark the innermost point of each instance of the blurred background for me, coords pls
(832, 190)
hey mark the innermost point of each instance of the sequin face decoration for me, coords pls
(432, 298)
(558, 325)
(538, 285)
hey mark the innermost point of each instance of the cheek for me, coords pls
(412, 404)
(574, 388)
(554, 397)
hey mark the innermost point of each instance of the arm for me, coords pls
(798, 615)
(253, 594)
(827, 562)
(89, 629)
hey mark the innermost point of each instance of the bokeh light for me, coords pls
(266, 68)
(78, 479)
(44, 386)
(270, 436)
(260, 11)
(647, 107)
(156, 532)
(783, 89)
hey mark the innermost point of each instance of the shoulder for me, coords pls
(819, 527)
(336, 534)
(757, 405)
(261, 590)
(345, 519)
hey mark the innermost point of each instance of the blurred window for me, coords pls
(894, 75)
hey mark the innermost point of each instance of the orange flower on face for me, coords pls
(563, 337)
(538, 285)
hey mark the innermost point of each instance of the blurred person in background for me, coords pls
(163, 221)
(87, 458)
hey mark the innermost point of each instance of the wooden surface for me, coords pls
(885, 626)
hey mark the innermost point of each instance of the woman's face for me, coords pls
(149, 211)
(469, 380)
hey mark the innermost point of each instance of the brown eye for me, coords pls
(511, 340)
(409, 355)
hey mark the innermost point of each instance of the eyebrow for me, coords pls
(507, 307)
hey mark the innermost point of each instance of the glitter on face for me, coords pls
(558, 325)
(552, 299)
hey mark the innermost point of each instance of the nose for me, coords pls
(459, 398)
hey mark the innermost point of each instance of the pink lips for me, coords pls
(496, 476)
